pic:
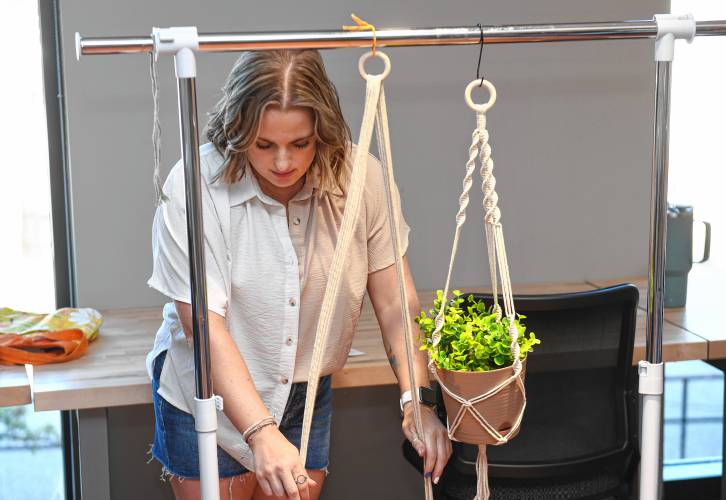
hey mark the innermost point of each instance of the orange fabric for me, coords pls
(42, 348)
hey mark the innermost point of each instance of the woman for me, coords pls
(274, 185)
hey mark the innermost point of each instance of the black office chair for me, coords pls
(578, 436)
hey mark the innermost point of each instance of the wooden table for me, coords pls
(704, 301)
(14, 386)
(705, 296)
(113, 372)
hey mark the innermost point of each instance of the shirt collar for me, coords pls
(311, 186)
(245, 189)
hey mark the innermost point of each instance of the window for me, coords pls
(694, 389)
(30, 449)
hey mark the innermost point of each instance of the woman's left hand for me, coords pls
(434, 446)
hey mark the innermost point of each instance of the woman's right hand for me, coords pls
(277, 464)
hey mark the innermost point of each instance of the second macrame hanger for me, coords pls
(374, 113)
(497, 263)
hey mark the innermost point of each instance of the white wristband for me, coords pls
(405, 398)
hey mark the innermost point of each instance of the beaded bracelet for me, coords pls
(252, 434)
(256, 427)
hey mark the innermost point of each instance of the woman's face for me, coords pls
(283, 150)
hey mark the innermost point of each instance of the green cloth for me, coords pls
(85, 319)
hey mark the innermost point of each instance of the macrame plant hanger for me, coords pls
(497, 262)
(374, 112)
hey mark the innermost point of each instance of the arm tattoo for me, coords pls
(392, 359)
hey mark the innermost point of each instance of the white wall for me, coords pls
(571, 135)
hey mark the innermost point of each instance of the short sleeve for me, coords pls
(380, 245)
(170, 274)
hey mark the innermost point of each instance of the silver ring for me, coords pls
(301, 479)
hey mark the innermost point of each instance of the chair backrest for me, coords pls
(580, 395)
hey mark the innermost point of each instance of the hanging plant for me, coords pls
(472, 338)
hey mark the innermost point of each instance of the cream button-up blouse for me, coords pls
(266, 274)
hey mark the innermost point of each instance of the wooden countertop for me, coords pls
(705, 295)
(14, 386)
(113, 372)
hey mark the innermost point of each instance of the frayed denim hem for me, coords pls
(167, 474)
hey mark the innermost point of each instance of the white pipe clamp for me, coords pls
(172, 40)
(650, 378)
(205, 414)
(672, 27)
(182, 41)
(78, 46)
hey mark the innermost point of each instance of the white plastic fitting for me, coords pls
(205, 423)
(672, 27)
(181, 41)
(205, 416)
(78, 46)
(650, 378)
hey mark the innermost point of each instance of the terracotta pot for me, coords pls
(500, 410)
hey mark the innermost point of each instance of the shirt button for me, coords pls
(284, 380)
(296, 221)
(293, 302)
(288, 341)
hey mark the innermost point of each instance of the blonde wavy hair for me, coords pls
(287, 78)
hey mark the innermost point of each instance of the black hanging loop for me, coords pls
(481, 49)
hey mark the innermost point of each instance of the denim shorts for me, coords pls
(175, 439)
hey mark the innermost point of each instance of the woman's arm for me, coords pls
(277, 460)
(230, 376)
(435, 447)
(385, 297)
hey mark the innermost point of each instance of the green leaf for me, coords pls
(500, 359)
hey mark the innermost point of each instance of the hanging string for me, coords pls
(363, 26)
(481, 49)
(156, 134)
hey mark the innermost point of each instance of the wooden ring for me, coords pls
(481, 108)
(364, 58)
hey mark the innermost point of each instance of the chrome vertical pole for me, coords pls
(195, 233)
(651, 418)
(658, 211)
(205, 417)
(183, 42)
(651, 372)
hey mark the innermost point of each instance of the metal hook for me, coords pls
(481, 49)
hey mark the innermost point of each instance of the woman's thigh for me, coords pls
(238, 488)
(317, 475)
